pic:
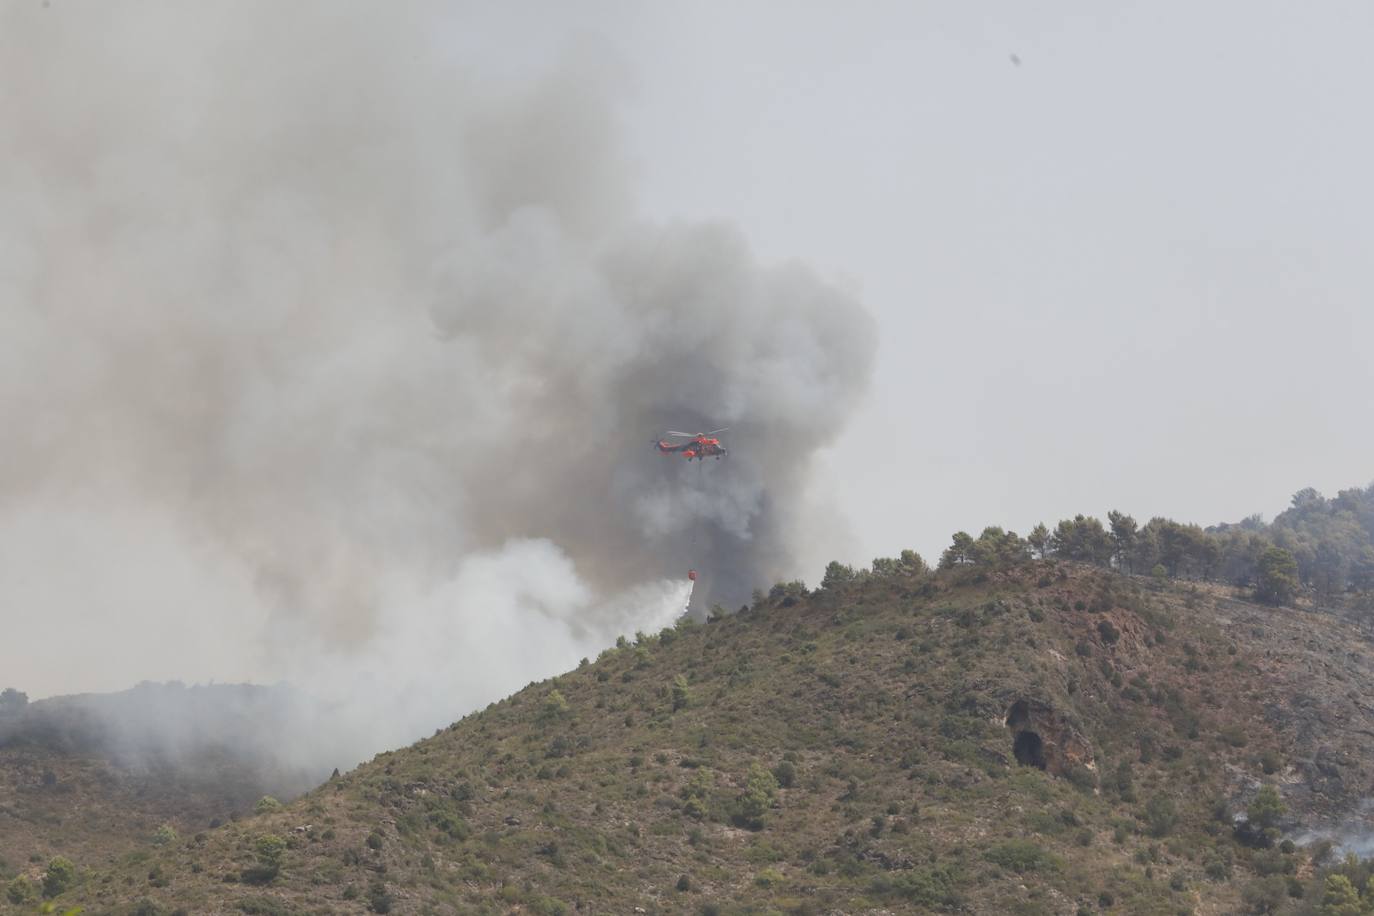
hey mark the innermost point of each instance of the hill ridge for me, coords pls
(853, 749)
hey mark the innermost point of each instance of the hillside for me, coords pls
(1045, 738)
(96, 775)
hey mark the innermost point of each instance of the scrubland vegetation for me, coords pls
(1026, 729)
(856, 747)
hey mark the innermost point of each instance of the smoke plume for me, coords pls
(327, 355)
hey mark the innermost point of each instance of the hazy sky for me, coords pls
(1117, 256)
(1132, 272)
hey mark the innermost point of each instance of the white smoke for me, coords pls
(324, 358)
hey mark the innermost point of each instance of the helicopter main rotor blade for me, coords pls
(672, 432)
(714, 431)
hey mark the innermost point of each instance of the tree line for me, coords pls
(1325, 545)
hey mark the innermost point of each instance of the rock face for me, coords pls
(1044, 739)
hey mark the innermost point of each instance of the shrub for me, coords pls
(682, 694)
(555, 705)
(270, 851)
(768, 877)
(1217, 864)
(165, 835)
(59, 877)
(1339, 897)
(1021, 856)
(924, 887)
(695, 795)
(684, 883)
(786, 774)
(21, 891)
(1276, 577)
(1235, 736)
(1109, 633)
(1270, 862)
(450, 825)
(1266, 809)
(1160, 815)
(1082, 778)
(265, 804)
(757, 797)
(837, 575)
(378, 900)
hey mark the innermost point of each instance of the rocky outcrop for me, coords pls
(1044, 739)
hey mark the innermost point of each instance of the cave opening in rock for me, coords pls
(1029, 750)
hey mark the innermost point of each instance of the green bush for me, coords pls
(1276, 580)
(837, 575)
(753, 803)
(1270, 862)
(1021, 856)
(265, 804)
(378, 899)
(768, 877)
(925, 887)
(1266, 809)
(165, 835)
(270, 851)
(555, 706)
(1339, 897)
(21, 891)
(1082, 778)
(682, 694)
(1160, 815)
(695, 793)
(59, 877)
(786, 774)
(1217, 864)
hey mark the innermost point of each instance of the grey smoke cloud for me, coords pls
(325, 356)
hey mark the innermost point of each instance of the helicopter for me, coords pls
(698, 445)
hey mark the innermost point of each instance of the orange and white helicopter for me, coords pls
(697, 445)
